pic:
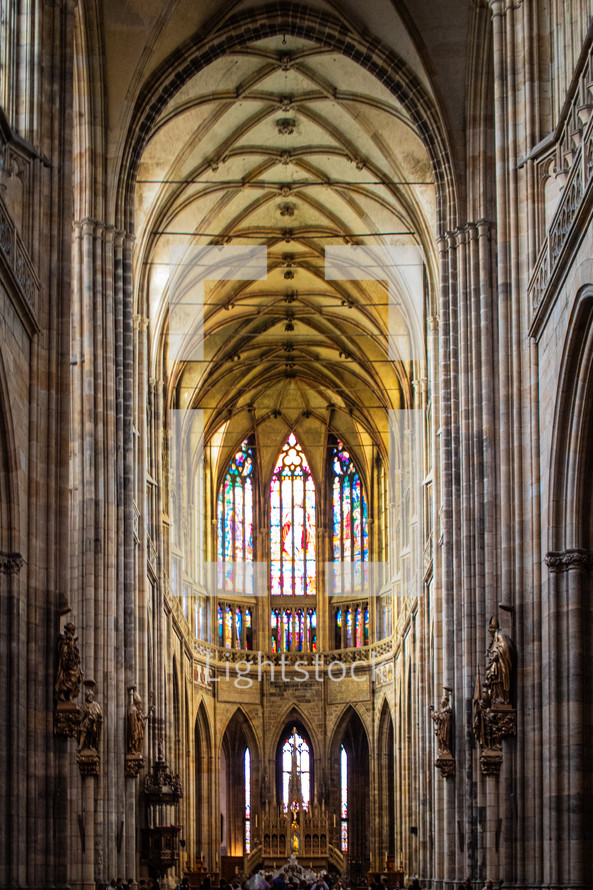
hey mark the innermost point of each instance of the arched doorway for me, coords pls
(350, 792)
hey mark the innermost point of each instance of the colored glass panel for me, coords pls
(296, 772)
(344, 798)
(220, 630)
(276, 630)
(238, 628)
(292, 524)
(248, 630)
(312, 630)
(350, 526)
(299, 635)
(348, 627)
(235, 522)
(228, 627)
(247, 801)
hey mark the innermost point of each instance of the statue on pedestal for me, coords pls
(69, 672)
(443, 727)
(443, 719)
(89, 731)
(67, 685)
(136, 727)
(499, 670)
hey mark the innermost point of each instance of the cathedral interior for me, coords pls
(296, 428)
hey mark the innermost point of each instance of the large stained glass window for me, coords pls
(247, 801)
(343, 799)
(292, 521)
(296, 772)
(235, 523)
(350, 527)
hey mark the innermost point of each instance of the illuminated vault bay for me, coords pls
(296, 329)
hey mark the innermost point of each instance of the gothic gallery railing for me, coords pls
(215, 656)
(17, 258)
(575, 146)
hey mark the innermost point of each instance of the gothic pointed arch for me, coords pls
(568, 583)
(350, 750)
(386, 781)
(9, 500)
(295, 767)
(237, 739)
(203, 785)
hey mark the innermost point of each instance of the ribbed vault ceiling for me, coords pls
(285, 144)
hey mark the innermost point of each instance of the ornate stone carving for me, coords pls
(286, 126)
(287, 209)
(134, 763)
(10, 563)
(66, 719)
(161, 787)
(491, 761)
(88, 763)
(69, 671)
(446, 765)
(572, 558)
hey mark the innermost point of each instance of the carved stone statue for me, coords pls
(499, 670)
(89, 731)
(69, 672)
(136, 725)
(443, 719)
(485, 721)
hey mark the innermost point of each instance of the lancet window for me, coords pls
(235, 524)
(296, 771)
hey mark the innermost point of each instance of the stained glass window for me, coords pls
(350, 527)
(292, 522)
(294, 630)
(248, 630)
(276, 630)
(296, 772)
(312, 630)
(247, 801)
(228, 627)
(351, 627)
(235, 523)
(234, 627)
(344, 799)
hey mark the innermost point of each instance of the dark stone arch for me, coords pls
(304, 733)
(386, 783)
(203, 785)
(567, 595)
(237, 736)
(351, 732)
